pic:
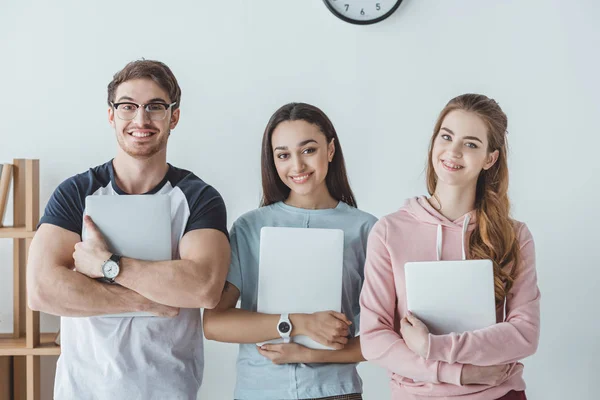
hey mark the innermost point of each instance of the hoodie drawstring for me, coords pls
(439, 243)
(464, 234)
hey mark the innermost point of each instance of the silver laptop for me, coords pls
(135, 226)
(300, 271)
(451, 296)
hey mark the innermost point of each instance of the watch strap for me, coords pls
(285, 318)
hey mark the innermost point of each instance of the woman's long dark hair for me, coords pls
(274, 190)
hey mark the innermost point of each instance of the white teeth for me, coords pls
(300, 178)
(451, 165)
(140, 134)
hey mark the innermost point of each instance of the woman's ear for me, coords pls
(491, 160)
(331, 150)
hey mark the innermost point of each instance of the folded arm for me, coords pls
(195, 281)
(380, 340)
(506, 342)
(55, 288)
(228, 324)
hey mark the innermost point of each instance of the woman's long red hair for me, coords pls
(494, 236)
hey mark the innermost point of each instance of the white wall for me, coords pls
(382, 85)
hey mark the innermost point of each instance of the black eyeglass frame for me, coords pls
(137, 108)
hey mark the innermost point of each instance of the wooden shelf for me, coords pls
(25, 346)
(15, 232)
(17, 347)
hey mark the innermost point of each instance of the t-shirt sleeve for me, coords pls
(208, 211)
(65, 207)
(235, 269)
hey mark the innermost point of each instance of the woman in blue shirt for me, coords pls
(304, 184)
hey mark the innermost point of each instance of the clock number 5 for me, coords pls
(378, 6)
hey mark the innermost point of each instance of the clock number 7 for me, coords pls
(347, 6)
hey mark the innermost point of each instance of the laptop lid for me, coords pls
(135, 226)
(300, 271)
(451, 296)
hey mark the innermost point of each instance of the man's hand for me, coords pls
(90, 255)
(286, 353)
(415, 334)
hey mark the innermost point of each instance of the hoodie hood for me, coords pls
(420, 209)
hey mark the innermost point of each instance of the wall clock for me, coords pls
(362, 12)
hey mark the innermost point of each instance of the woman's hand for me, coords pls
(330, 328)
(286, 353)
(415, 334)
(492, 375)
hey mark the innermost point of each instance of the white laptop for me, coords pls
(135, 226)
(451, 296)
(300, 271)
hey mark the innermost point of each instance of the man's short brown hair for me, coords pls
(147, 69)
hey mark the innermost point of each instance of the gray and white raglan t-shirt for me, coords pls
(134, 358)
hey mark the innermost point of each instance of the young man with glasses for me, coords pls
(131, 357)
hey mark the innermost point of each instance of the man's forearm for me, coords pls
(177, 283)
(67, 293)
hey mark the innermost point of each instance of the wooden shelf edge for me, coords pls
(17, 347)
(15, 232)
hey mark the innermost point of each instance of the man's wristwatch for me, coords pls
(111, 268)
(284, 327)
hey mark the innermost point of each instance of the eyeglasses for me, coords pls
(156, 111)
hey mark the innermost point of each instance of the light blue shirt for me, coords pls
(257, 377)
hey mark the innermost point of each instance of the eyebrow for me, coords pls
(302, 143)
(154, 100)
(464, 137)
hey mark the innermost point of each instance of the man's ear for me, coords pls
(111, 116)
(174, 119)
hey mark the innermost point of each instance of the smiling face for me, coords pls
(142, 137)
(302, 155)
(460, 149)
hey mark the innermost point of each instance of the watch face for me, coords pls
(283, 327)
(362, 12)
(110, 269)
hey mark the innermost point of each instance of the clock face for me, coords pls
(362, 12)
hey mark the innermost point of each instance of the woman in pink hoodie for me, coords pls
(467, 178)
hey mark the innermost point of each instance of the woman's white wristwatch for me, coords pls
(284, 327)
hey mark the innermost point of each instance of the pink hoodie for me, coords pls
(410, 235)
